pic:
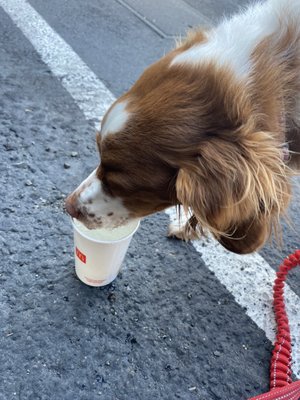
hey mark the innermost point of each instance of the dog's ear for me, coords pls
(248, 236)
(237, 191)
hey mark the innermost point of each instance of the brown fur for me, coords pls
(276, 87)
(201, 139)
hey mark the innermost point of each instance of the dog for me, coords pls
(213, 127)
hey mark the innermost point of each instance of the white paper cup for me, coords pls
(99, 253)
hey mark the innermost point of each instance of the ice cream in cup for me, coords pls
(99, 253)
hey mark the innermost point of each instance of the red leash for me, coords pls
(281, 385)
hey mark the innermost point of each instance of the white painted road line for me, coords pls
(90, 94)
(249, 278)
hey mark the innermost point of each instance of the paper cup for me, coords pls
(99, 253)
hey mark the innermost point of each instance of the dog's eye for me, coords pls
(111, 167)
(98, 142)
(105, 186)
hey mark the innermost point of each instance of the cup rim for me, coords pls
(138, 221)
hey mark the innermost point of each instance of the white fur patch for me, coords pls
(98, 208)
(233, 41)
(89, 188)
(116, 119)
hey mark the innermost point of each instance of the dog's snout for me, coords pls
(71, 207)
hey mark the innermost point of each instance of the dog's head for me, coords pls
(187, 136)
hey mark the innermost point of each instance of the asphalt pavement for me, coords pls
(166, 328)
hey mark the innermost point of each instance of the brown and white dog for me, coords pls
(206, 127)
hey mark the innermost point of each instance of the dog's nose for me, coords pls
(71, 207)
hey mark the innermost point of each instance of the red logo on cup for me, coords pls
(81, 256)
